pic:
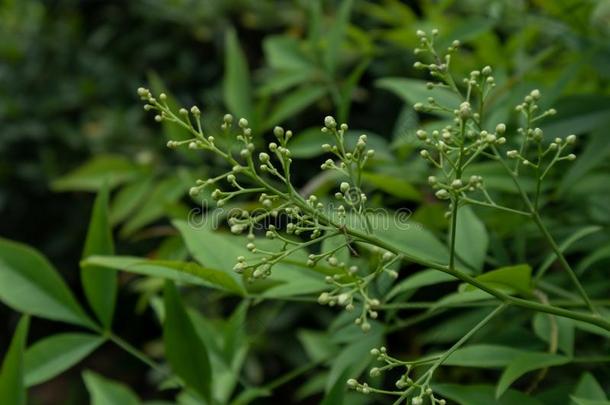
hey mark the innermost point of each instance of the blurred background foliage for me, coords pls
(70, 120)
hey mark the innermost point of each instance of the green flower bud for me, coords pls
(442, 194)
(465, 111)
(263, 157)
(329, 122)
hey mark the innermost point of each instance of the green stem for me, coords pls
(498, 207)
(134, 352)
(549, 238)
(427, 376)
(477, 304)
(520, 302)
(563, 261)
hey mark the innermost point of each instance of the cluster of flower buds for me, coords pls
(529, 107)
(350, 291)
(404, 383)
(555, 149)
(350, 162)
(440, 65)
(349, 287)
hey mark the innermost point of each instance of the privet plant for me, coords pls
(304, 222)
(309, 247)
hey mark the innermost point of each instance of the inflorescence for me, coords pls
(309, 220)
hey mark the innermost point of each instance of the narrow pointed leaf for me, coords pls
(99, 284)
(516, 278)
(30, 284)
(106, 392)
(525, 363)
(185, 351)
(185, 272)
(55, 354)
(12, 387)
(236, 85)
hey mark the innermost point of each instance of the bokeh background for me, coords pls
(69, 114)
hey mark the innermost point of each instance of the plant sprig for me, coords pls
(310, 221)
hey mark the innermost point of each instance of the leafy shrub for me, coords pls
(348, 239)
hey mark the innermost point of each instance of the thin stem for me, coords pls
(427, 376)
(547, 235)
(498, 207)
(563, 261)
(134, 352)
(477, 304)
(456, 201)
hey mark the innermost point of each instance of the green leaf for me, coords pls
(291, 280)
(471, 238)
(584, 401)
(250, 394)
(517, 278)
(128, 198)
(408, 236)
(354, 358)
(544, 326)
(595, 153)
(283, 53)
(106, 392)
(483, 356)
(420, 279)
(588, 389)
(599, 254)
(277, 82)
(464, 295)
(581, 233)
(308, 143)
(525, 363)
(100, 285)
(336, 395)
(12, 387)
(185, 272)
(30, 284)
(482, 395)
(236, 84)
(416, 91)
(212, 249)
(185, 351)
(392, 185)
(336, 36)
(293, 103)
(55, 354)
(91, 176)
(165, 193)
(580, 113)
(317, 345)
